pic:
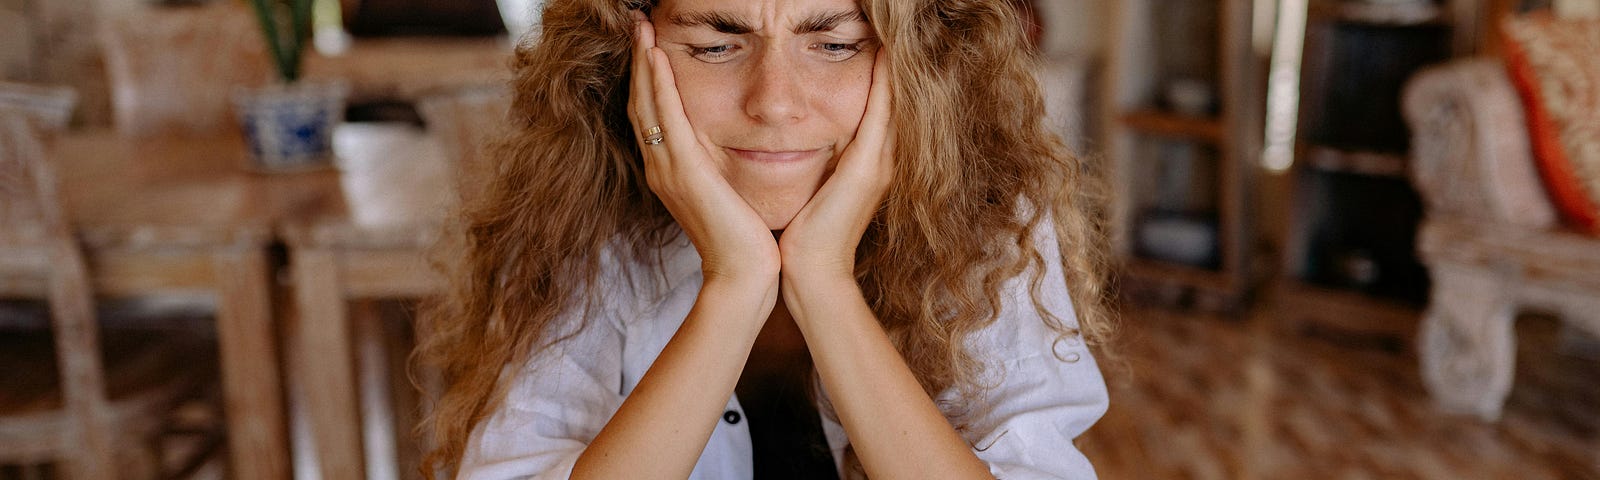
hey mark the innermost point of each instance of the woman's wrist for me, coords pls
(752, 274)
(749, 297)
(811, 295)
(818, 273)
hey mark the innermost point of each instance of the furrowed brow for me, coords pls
(719, 21)
(825, 21)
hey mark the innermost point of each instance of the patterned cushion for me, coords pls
(1556, 69)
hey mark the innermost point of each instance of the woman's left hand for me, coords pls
(821, 240)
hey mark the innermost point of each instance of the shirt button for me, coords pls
(731, 416)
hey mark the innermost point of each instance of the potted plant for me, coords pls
(289, 124)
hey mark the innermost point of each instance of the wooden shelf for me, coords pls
(1420, 13)
(1345, 313)
(1374, 164)
(1154, 282)
(1180, 274)
(1166, 124)
(409, 68)
(1153, 42)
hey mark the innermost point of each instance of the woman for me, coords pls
(774, 238)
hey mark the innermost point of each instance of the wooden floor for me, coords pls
(1205, 397)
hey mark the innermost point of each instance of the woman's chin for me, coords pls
(779, 218)
(778, 203)
(778, 208)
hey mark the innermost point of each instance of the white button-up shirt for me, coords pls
(1045, 391)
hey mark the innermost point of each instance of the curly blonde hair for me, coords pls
(976, 172)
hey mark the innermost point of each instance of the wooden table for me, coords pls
(396, 188)
(182, 217)
(163, 216)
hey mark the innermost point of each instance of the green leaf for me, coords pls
(286, 27)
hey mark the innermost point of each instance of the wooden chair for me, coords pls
(173, 70)
(99, 414)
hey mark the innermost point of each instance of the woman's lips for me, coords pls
(789, 156)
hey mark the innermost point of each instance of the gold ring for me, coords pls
(652, 135)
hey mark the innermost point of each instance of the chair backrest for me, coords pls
(465, 120)
(173, 70)
(29, 202)
(28, 206)
(1470, 156)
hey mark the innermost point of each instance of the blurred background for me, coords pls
(1352, 238)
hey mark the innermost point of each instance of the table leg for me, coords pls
(252, 390)
(324, 357)
(377, 401)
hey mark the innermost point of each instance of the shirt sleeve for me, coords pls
(1043, 390)
(554, 406)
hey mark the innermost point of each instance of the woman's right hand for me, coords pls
(732, 239)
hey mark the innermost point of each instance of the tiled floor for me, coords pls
(1204, 397)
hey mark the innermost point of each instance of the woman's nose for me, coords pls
(775, 94)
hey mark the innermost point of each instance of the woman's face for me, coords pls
(776, 88)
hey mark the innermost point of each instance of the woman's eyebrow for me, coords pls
(825, 21)
(733, 25)
(719, 21)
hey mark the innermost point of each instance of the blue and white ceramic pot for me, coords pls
(290, 127)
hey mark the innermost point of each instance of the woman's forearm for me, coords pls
(661, 429)
(895, 428)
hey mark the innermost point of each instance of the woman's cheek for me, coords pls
(697, 88)
(846, 89)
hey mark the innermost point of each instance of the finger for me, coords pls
(688, 157)
(882, 100)
(871, 148)
(669, 106)
(641, 98)
(643, 39)
(875, 122)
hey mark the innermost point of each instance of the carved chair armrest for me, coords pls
(1470, 152)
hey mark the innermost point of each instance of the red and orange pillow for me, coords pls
(1555, 65)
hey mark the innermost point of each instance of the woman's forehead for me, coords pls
(757, 13)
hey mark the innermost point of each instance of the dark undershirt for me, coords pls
(775, 391)
(785, 430)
